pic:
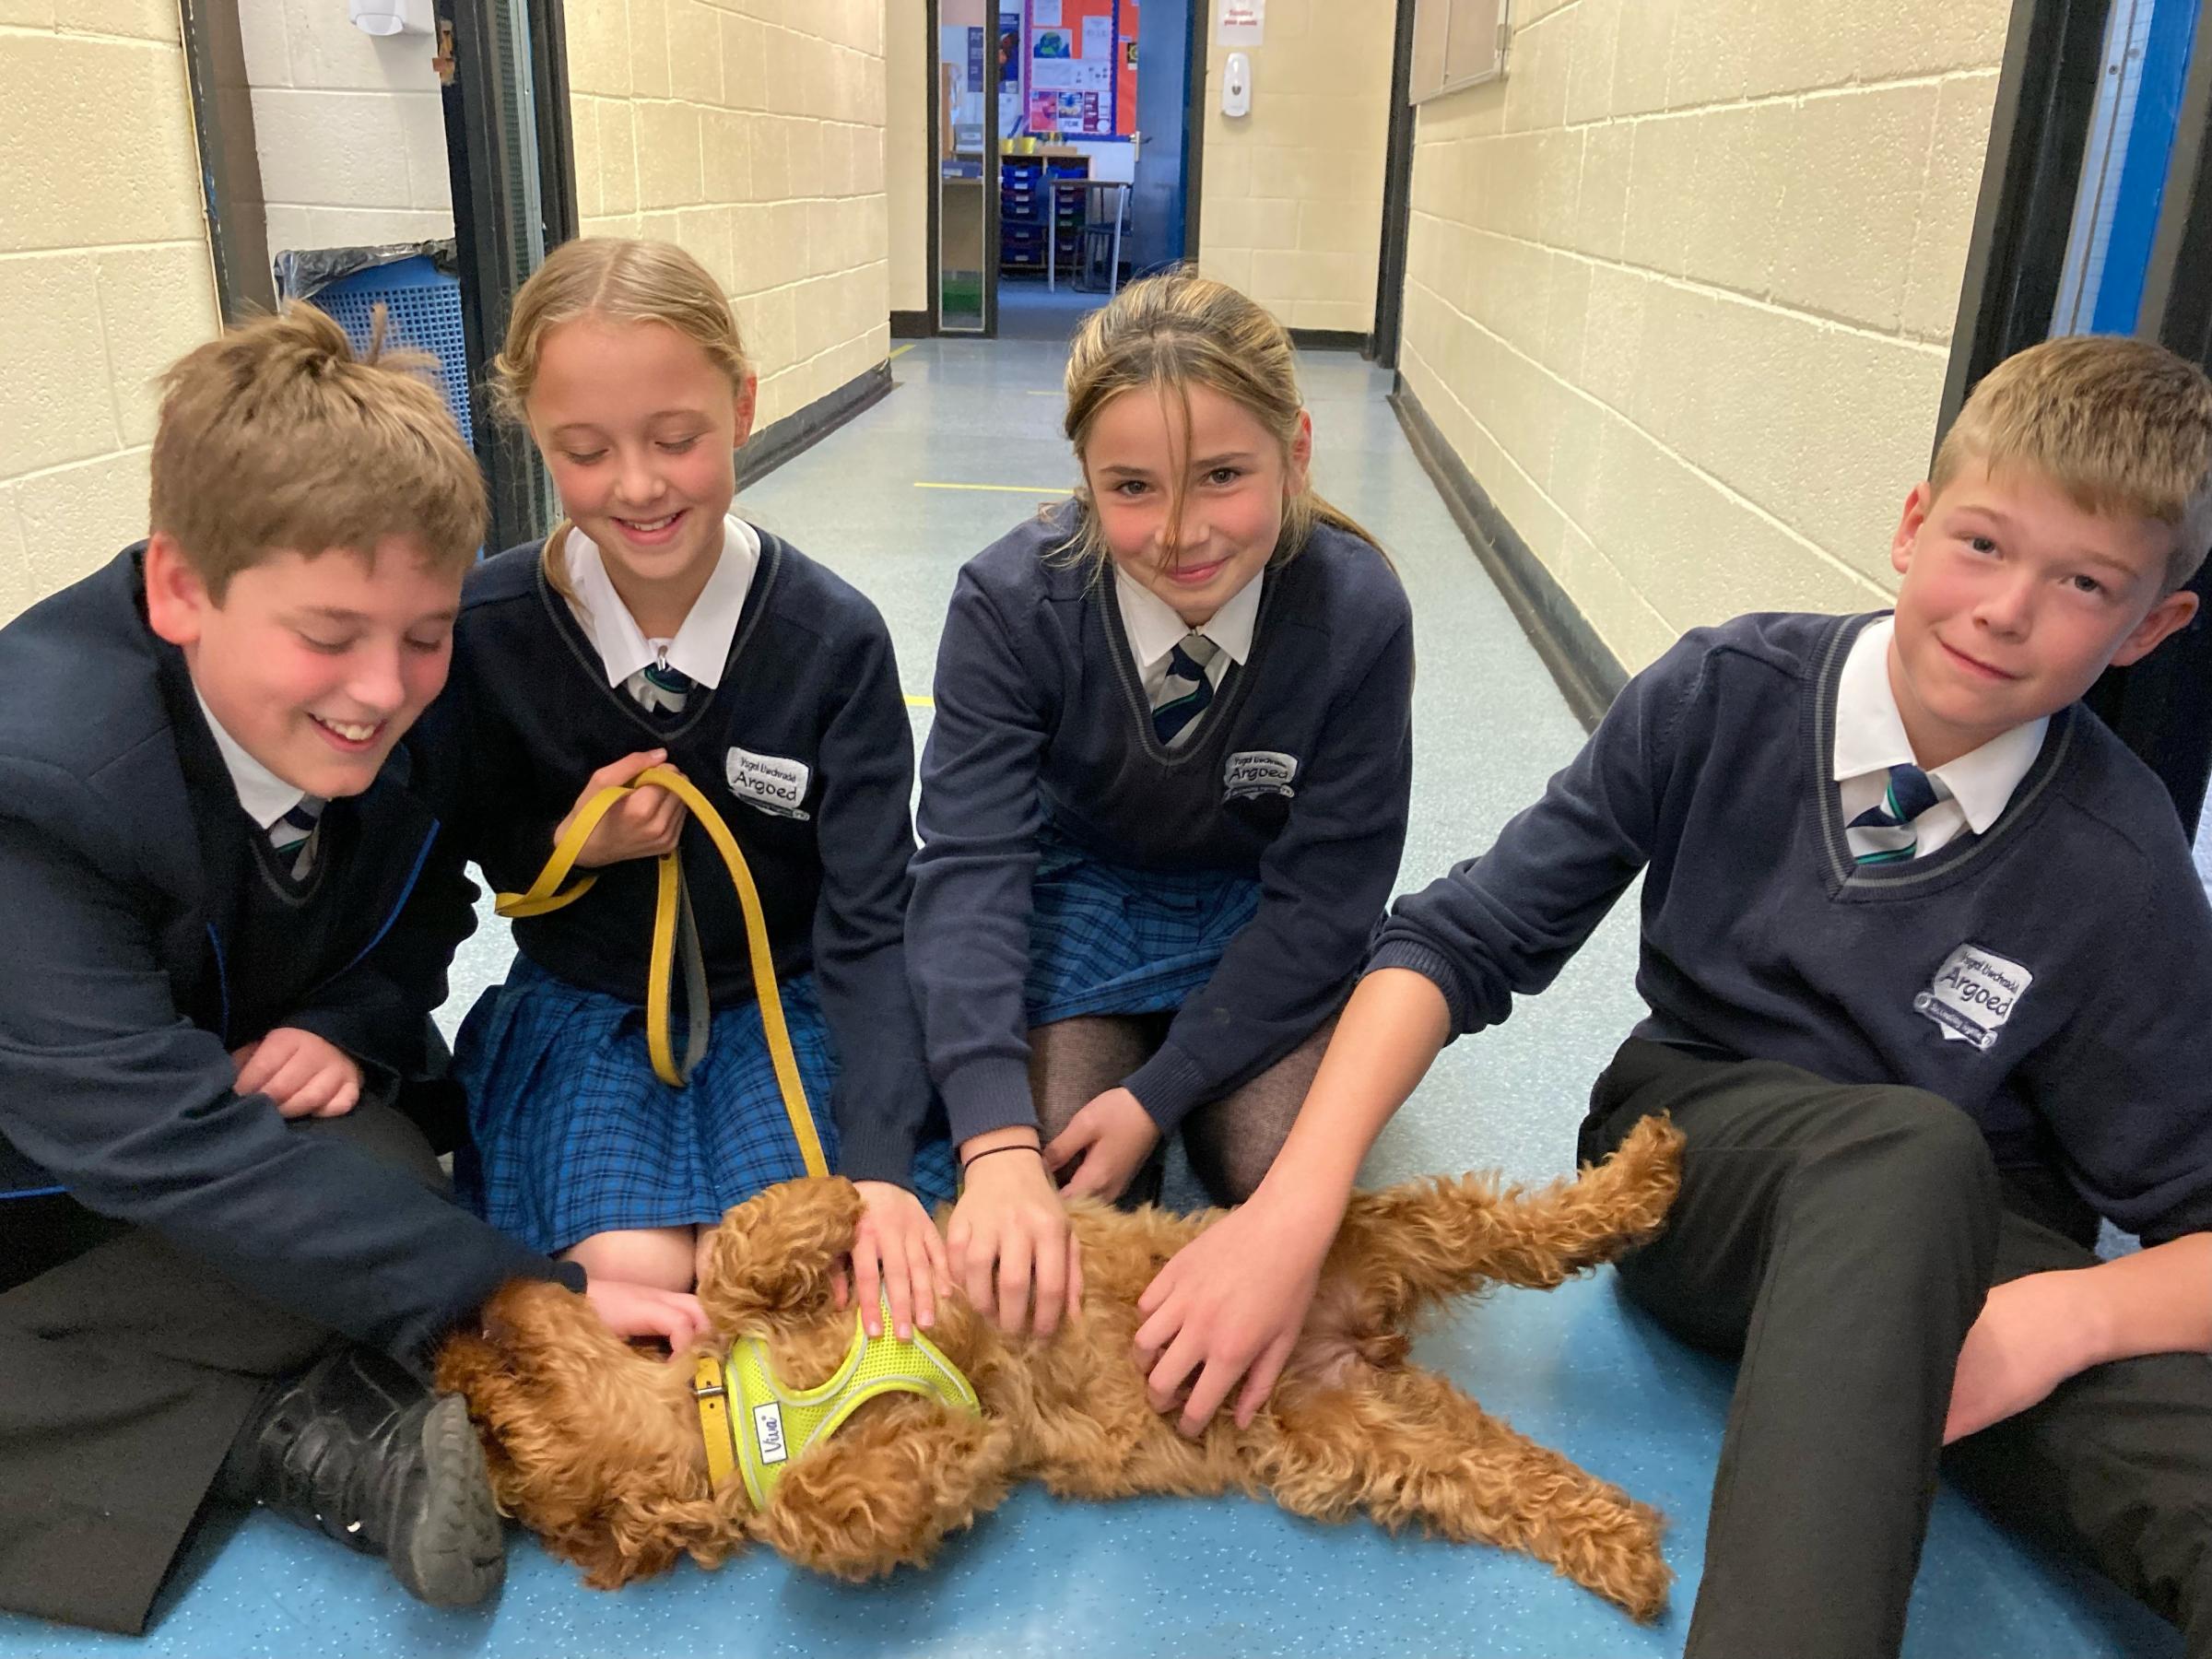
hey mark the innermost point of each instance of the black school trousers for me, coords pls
(126, 1370)
(1838, 1241)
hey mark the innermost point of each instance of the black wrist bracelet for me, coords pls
(1010, 1147)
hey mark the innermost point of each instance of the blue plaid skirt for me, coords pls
(1108, 938)
(574, 1134)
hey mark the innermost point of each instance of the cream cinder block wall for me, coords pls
(752, 133)
(104, 275)
(1680, 291)
(349, 128)
(908, 150)
(1290, 195)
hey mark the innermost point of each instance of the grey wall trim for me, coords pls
(1330, 340)
(222, 113)
(801, 428)
(1588, 675)
(1397, 199)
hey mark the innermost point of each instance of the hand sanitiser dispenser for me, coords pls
(1236, 85)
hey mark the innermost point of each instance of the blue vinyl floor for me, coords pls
(1578, 1370)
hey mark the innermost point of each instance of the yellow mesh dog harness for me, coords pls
(753, 1423)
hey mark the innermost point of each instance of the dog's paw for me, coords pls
(1638, 1579)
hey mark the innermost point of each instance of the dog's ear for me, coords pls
(610, 1555)
(591, 1545)
(885, 1488)
(532, 1322)
(467, 1363)
(637, 1530)
(522, 1314)
(772, 1257)
(474, 1367)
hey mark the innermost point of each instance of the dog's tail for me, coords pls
(1431, 1238)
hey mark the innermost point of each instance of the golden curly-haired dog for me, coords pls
(596, 1446)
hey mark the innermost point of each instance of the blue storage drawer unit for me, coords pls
(424, 307)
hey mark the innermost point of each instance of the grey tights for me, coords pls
(1230, 1141)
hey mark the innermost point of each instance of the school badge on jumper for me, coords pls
(769, 781)
(1972, 994)
(1258, 772)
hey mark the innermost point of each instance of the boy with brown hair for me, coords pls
(1930, 970)
(230, 1252)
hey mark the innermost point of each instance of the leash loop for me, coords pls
(676, 933)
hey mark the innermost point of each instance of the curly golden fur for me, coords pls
(596, 1446)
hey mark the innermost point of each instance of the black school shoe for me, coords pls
(359, 1448)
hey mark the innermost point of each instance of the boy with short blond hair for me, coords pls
(229, 1255)
(1930, 970)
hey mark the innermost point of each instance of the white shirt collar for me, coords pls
(265, 796)
(1870, 735)
(702, 646)
(1154, 629)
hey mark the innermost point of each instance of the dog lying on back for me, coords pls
(597, 1447)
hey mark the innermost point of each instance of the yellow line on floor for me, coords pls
(901, 351)
(919, 702)
(1038, 490)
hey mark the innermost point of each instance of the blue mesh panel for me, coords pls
(425, 311)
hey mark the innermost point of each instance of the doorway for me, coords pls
(511, 161)
(2096, 215)
(964, 135)
(1066, 156)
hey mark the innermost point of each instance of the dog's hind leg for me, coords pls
(1427, 1240)
(772, 1257)
(1413, 1452)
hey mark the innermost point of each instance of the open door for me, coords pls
(964, 195)
(510, 155)
(2096, 215)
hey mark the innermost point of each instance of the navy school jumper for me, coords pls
(1298, 773)
(805, 746)
(2049, 977)
(154, 936)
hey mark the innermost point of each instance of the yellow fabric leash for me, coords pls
(672, 916)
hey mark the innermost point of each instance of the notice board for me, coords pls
(1079, 67)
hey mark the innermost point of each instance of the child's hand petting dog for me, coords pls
(302, 1074)
(1227, 1307)
(1009, 1232)
(1112, 1135)
(633, 1311)
(895, 1248)
(644, 825)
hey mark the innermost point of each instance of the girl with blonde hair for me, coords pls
(655, 627)
(1164, 796)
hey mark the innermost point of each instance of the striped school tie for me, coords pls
(1885, 834)
(661, 690)
(293, 835)
(1185, 691)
